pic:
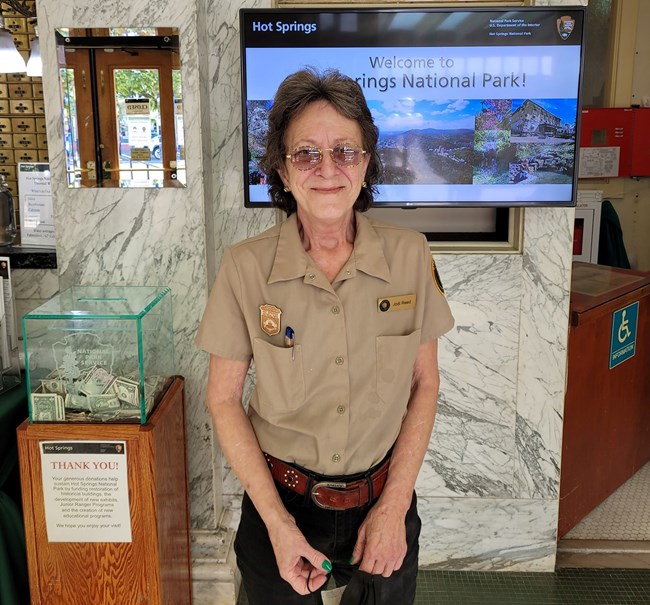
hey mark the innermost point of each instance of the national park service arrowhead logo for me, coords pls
(436, 277)
(270, 319)
(565, 26)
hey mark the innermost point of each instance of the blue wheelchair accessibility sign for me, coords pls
(623, 343)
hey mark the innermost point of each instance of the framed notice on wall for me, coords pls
(36, 211)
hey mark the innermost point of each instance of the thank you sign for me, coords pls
(86, 491)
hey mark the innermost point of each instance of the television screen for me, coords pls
(475, 107)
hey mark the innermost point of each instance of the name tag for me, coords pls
(396, 303)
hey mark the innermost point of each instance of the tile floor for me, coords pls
(625, 515)
(615, 534)
(564, 587)
(604, 560)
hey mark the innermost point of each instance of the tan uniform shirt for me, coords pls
(334, 402)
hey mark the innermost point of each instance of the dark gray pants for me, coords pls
(333, 533)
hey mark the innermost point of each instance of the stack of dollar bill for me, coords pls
(47, 406)
(94, 395)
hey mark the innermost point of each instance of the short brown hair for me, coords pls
(293, 95)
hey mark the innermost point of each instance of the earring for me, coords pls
(364, 184)
(286, 189)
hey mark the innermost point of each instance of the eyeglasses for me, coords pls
(307, 158)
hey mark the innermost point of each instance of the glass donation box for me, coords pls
(99, 354)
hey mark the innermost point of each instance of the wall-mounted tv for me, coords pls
(475, 107)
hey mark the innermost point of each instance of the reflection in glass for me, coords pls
(178, 123)
(70, 134)
(123, 108)
(131, 31)
(137, 99)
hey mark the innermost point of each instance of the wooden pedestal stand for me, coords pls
(152, 569)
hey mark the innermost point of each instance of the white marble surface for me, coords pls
(31, 288)
(543, 340)
(35, 284)
(140, 236)
(487, 534)
(471, 451)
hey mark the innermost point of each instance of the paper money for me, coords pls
(53, 385)
(96, 394)
(97, 381)
(47, 407)
(128, 413)
(76, 402)
(127, 391)
(103, 403)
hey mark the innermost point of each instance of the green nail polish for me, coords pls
(327, 566)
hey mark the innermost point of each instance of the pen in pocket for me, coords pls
(289, 337)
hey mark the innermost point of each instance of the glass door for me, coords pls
(122, 114)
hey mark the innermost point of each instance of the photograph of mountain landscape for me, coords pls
(460, 141)
(426, 142)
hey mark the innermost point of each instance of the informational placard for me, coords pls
(623, 342)
(138, 121)
(180, 131)
(36, 211)
(599, 162)
(85, 490)
(587, 196)
(141, 154)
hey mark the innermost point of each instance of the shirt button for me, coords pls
(335, 310)
(312, 276)
(339, 361)
(336, 458)
(341, 409)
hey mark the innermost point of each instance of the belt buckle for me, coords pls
(314, 492)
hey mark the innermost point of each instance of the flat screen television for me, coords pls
(475, 107)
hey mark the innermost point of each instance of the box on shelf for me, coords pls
(99, 354)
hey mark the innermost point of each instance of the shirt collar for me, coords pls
(291, 261)
(368, 254)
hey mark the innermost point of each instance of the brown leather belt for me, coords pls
(331, 495)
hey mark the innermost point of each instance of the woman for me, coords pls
(341, 315)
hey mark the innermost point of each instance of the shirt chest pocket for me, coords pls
(395, 358)
(280, 379)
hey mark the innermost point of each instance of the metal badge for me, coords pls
(396, 303)
(270, 319)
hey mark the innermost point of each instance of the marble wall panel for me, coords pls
(471, 449)
(542, 350)
(31, 288)
(141, 236)
(39, 284)
(487, 534)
